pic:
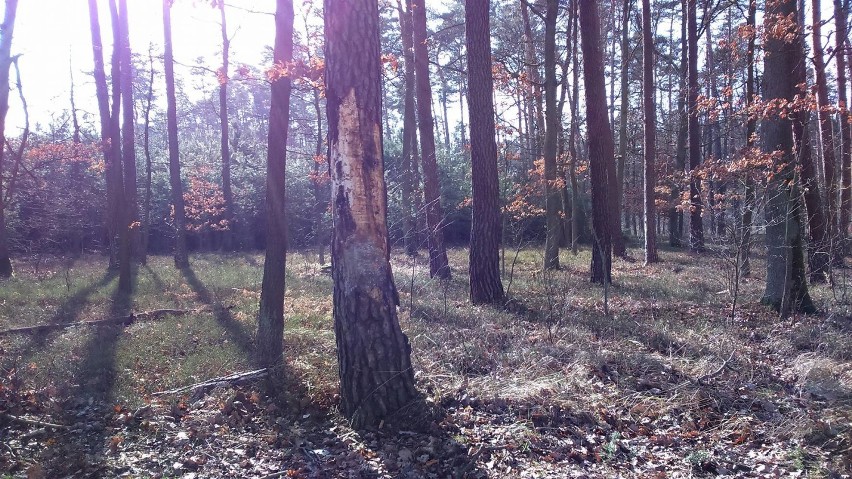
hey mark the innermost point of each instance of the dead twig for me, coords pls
(125, 320)
(33, 422)
(230, 380)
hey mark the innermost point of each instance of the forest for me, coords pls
(410, 239)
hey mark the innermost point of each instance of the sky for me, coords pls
(54, 40)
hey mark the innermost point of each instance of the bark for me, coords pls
(696, 227)
(675, 215)
(786, 288)
(409, 134)
(552, 196)
(224, 135)
(320, 189)
(572, 137)
(825, 128)
(438, 263)
(146, 149)
(181, 254)
(128, 136)
(122, 211)
(376, 377)
(841, 45)
(601, 148)
(751, 128)
(6, 32)
(485, 284)
(270, 318)
(618, 246)
(536, 101)
(650, 118)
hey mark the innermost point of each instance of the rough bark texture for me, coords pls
(601, 148)
(552, 198)
(841, 44)
(786, 288)
(650, 119)
(270, 318)
(485, 284)
(6, 32)
(224, 135)
(128, 135)
(376, 378)
(573, 135)
(438, 263)
(181, 255)
(696, 227)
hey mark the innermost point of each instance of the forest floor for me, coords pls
(663, 382)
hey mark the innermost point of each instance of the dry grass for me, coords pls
(666, 373)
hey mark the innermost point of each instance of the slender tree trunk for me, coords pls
(122, 213)
(485, 284)
(650, 113)
(181, 254)
(409, 133)
(786, 287)
(841, 46)
(438, 263)
(319, 187)
(128, 135)
(146, 148)
(696, 227)
(376, 377)
(572, 137)
(825, 130)
(751, 128)
(230, 239)
(601, 148)
(6, 32)
(627, 6)
(552, 121)
(537, 121)
(818, 225)
(270, 318)
(675, 215)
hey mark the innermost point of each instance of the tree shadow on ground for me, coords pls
(67, 312)
(222, 313)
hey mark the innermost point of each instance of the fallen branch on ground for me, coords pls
(229, 380)
(32, 422)
(125, 320)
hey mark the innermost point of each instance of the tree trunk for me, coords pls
(675, 214)
(601, 148)
(270, 318)
(552, 121)
(230, 237)
(181, 254)
(618, 246)
(6, 31)
(485, 284)
(376, 377)
(409, 134)
(841, 45)
(572, 136)
(146, 148)
(128, 136)
(696, 227)
(537, 122)
(650, 118)
(751, 128)
(438, 263)
(825, 131)
(786, 288)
